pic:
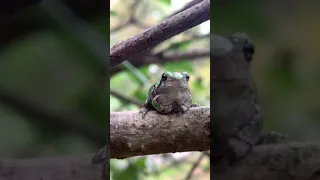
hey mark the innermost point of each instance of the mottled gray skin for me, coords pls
(236, 117)
(170, 95)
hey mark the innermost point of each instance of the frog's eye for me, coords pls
(164, 77)
(187, 77)
(248, 50)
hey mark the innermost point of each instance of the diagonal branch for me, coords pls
(132, 18)
(125, 98)
(187, 6)
(194, 166)
(159, 33)
(130, 135)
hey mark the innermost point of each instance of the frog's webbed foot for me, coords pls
(180, 109)
(144, 111)
(195, 105)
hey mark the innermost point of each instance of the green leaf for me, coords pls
(131, 173)
(180, 45)
(141, 95)
(198, 85)
(141, 163)
(181, 66)
(166, 2)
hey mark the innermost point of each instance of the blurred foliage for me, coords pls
(285, 66)
(48, 65)
(134, 83)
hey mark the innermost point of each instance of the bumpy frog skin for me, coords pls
(170, 95)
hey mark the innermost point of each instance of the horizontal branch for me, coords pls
(130, 135)
(159, 33)
(298, 161)
(62, 168)
(148, 58)
(177, 56)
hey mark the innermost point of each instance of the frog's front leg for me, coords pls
(185, 106)
(195, 105)
(160, 104)
(146, 108)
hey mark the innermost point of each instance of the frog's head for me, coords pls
(174, 80)
(231, 57)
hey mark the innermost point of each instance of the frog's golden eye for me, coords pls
(164, 77)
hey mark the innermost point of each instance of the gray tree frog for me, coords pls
(170, 95)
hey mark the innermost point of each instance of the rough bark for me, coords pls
(161, 32)
(57, 168)
(130, 135)
(292, 161)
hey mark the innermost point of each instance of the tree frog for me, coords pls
(170, 95)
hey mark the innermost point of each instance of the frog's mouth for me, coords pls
(174, 93)
(169, 89)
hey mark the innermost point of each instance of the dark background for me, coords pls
(53, 84)
(287, 60)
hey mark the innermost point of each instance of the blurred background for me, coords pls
(287, 60)
(53, 95)
(130, 82)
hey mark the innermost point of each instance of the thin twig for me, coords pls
(194, 166)
(125, 98)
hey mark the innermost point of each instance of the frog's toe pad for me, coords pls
(195, 105)
(143, 111)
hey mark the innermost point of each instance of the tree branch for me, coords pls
(159, 33)
(149, 58)
(298, 161)
(132, 18)
(177, 56)
(64, 168)
(194, 166)
(130, 135)
(187, 6)
(125, 98)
